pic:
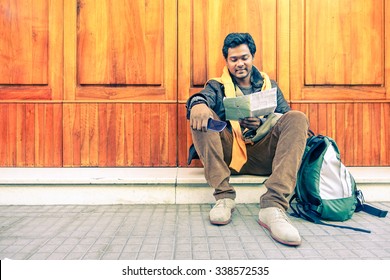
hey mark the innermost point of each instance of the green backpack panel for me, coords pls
(324, 182)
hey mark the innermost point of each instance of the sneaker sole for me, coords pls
(219, 223)
(292, 243)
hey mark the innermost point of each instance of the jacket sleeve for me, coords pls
(282, 105)
(209, 95)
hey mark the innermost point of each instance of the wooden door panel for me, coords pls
(338, 50)
(32, 133)
(120, 134)
(24, 41)
(31, 50)
(213, 20)
(346, 41)
(120, 42)
(120, 50)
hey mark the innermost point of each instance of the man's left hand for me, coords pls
(250, 123)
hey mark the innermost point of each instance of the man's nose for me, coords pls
(240, 63)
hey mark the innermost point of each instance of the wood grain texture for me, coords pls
(32, 134)
(361, 130)
(31, 50)
(124, 134)
(185, 139)
(24, 41)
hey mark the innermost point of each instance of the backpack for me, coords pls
(325, 189)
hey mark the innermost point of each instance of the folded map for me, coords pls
(252, 105)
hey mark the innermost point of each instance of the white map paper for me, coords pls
(252, 105)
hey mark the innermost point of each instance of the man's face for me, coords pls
(239, 62)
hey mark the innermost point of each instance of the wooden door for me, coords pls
(31, 85)
(120, 83)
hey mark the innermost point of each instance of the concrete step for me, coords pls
(51, 186)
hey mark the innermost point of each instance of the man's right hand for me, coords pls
(200, 114)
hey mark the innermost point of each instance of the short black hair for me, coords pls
(233, 40)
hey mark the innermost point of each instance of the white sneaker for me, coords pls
(222, 211)
(277, 223)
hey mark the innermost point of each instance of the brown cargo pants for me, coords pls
(278, 155)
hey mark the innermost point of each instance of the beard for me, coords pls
(242, 74)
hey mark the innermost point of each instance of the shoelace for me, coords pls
(221, 203)
(281, 215)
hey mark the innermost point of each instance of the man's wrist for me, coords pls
(262, 120)
(197, 100)
(197, 103)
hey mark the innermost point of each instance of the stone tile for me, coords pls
(75, 256)
(201, 255)
(183, 255)
(128, 256)
(219, 255)
(237, 254)
(255, 254)
(57, 256)
(146, 255)
(131, 247)
(273, 254)
(251, 246)
(110, 256)
(164, 255)
(217, 246)
(39, 256)
(92, 256)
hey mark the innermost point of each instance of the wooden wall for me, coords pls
(104, 83)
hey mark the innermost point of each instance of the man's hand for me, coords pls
(199, 117)
(250, 123)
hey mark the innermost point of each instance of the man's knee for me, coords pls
(297, 115)
(297, 118)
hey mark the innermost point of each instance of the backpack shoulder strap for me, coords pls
(362, 206)
(373, 210)
(311, 144)
(303, 211)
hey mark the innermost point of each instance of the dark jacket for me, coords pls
(213, 93)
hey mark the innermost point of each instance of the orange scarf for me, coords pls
(239, 156)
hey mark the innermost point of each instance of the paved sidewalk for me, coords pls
(176, 232)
